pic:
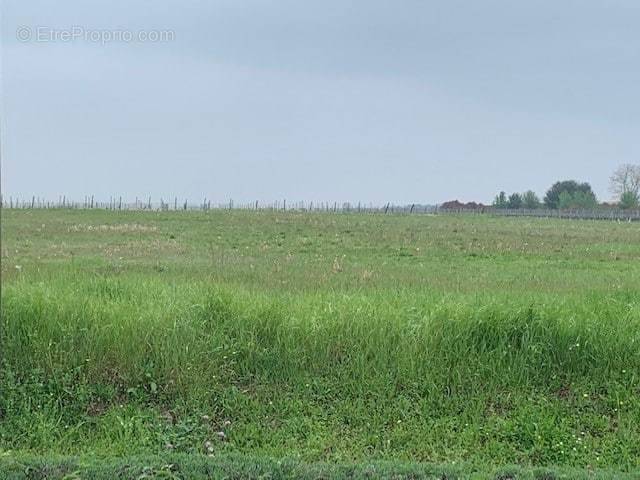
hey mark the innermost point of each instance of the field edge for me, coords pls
(21, 466)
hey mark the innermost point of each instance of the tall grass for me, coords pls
(139, 328)
(364, 360)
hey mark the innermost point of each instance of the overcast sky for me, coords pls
(400, 100)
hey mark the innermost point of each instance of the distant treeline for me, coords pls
(572, 195)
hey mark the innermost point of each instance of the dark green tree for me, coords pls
(515, 201)
(501, 200)
(570, 187)
(629, 200)
(530, 200)
(577, 200)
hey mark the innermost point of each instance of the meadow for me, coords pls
(293, 344)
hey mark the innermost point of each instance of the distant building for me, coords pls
(456, 205)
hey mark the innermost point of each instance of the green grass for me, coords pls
(326, 339)
(228, 467)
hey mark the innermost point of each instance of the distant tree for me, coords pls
(565, 200)
(578, 199)
(571, 187)
(585, 199)
(501, 201)
(626, 179)
(530, 200)
(629, 200)
(515, 201)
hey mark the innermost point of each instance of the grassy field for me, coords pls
(472, 343)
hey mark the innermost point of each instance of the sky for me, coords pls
(366, 100)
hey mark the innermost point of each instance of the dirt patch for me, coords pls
(119, 227)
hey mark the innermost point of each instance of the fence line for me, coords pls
(576, 214)
(174, 204)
